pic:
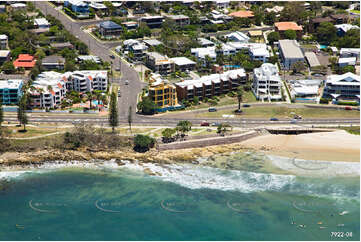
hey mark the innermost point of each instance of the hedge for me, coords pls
(347, 103)
(324, 100)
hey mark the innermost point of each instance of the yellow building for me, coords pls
(163, 94)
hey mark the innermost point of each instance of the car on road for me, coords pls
(212, 109)
(112, 56)
(246, 105)
(348, 108)
(117, 69)
(273, 119)
(297, 117)
(204, 123)
(119, 94)
(317, 75)
(126, 82)
(294, 121)
(215, 124)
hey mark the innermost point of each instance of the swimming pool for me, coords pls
(232, 66)
(95, 102)
(323, 46)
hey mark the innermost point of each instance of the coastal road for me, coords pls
(129, 92)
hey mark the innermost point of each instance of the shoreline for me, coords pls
(313, 147)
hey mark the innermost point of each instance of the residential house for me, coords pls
(130, 25)
(41, 23)
(312, 59)
(237, 37)
(315, 23)
(152, 42)
(305, 91)
(340, 18)
(25, 61)
(4, 56)
(79, 7)
(205, 42)
(2, 8)
(211, 85)
(136, 48)
(183, 63)
(281, 27)
(109, 29)
(18, 6)
(93, 58)
(180, 20)
(290, 52)
(343, 28)
(10, 91)
(350, 52)
(4, 42)
(152, 21)
(242, 14)
(159, 63)
(222, 4)
(53, 62)
(257, 51)
(347, 61)
(345, 86)
(267, 83)
(62, 45)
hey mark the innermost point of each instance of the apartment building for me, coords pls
(290, 52)
(159, 63)
(152, 21)
(183, 63)
(10, 91)
(345, 86)
(237, 37)
(257, 51)
(48, 90)
(87, 81)
(4, 56)
(163, 94)
(4, 42)
(267, 83)
(211, 85)
(180, 20)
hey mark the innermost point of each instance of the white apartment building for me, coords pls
(237, 37)
(345, 86)
(267, 83)
(4, 42)
(49, 88)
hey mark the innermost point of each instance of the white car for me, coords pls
(126, 82)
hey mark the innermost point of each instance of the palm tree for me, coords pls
(239, 98)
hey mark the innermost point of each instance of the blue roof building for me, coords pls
(77, 6)
(109, 29)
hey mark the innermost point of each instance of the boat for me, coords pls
(343, 213)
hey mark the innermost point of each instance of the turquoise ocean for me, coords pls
(187, 202)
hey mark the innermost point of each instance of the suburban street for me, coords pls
(129, 92)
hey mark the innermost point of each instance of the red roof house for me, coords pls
(242, 14)
(25, 61)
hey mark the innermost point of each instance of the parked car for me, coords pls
(273, 119)
(112, 56)
(246, 105)
(297, 117)
(348, 108)
(212, 109)
(117, 69)
(126, 82)
(204, 123)
(215, 124)
(294, 121)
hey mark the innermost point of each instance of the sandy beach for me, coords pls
(328, 146)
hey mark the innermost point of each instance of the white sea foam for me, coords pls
(316, 167)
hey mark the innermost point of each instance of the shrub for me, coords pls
(142, 143)
(324, 100)
(347, 103)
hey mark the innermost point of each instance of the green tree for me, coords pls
(223, 128)
(346, 69)
(298, 66)
(270, 18)
(183, 127)
(69, 65)
(22, 116)
(110, 7)
(113, 112)
(1, 113)
(8, 67)
(273, 59)
(239, 97)
(168, 134)
(130, 118)
(273, 37)
(147, 106)
(142, 143)
(326, 33)
(196, 100)
(290, 34)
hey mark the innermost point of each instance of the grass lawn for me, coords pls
(248, 97)
(284, 112)
(353, 130)
(31, 131)
(355, 11)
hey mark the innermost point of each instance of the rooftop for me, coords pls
(242, 14)
(24, 60)
(11, 84)
(4, 53)
(204, 41)
(41, 21)
(290, 49)
(347, 78)
(237, 36)
(180, 61)
(109, 25)
(346, 27)
(176, 17)
(312, 59)
(347, 60)
(282, 26)
(53, 59)
(3, 37)
(152, 42)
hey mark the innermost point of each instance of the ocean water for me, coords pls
(184, 202)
